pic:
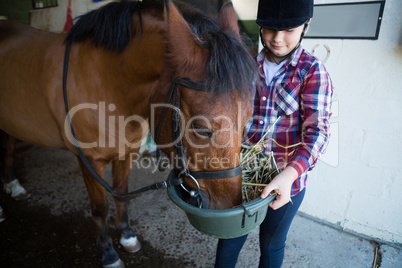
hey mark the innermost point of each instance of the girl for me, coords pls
(296, 88)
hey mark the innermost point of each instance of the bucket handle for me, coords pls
(251, 209)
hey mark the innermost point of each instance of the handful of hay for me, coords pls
(258, 171)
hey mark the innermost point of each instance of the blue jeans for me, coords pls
(273, 231)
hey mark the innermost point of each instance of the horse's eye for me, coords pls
(202, 131)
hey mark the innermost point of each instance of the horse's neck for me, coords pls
(128, 78)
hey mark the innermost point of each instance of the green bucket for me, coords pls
(226, 223)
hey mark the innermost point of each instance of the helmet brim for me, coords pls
(281, 24)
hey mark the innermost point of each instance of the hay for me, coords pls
(259, 169)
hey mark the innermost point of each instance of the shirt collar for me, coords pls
(294, 58)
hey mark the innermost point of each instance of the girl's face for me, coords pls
(280, 43)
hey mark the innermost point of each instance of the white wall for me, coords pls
(53, 19)
(359, 185)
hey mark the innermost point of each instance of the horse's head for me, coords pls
(213, 116)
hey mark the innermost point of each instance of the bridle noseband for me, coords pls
(181, 169)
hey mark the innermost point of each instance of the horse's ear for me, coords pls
(227, 19)
(182, 41)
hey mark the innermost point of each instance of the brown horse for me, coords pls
(122, 60)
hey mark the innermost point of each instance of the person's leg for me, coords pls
(273, 231)
(228, 251)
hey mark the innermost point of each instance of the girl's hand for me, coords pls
(282, 185)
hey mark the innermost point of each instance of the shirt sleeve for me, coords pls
(315, 112)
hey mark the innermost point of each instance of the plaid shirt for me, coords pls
(300, 94)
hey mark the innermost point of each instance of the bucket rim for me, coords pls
(212, 213)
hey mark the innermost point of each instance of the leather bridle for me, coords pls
(182, 168)
(179, 150)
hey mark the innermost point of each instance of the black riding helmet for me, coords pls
(280, 15)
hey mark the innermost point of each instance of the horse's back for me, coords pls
(30, 68)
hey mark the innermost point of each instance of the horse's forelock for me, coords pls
(230, 66)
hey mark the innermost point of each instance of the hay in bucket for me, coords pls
(259, 169)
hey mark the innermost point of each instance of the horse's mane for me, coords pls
(110, 25)
(229, 67)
